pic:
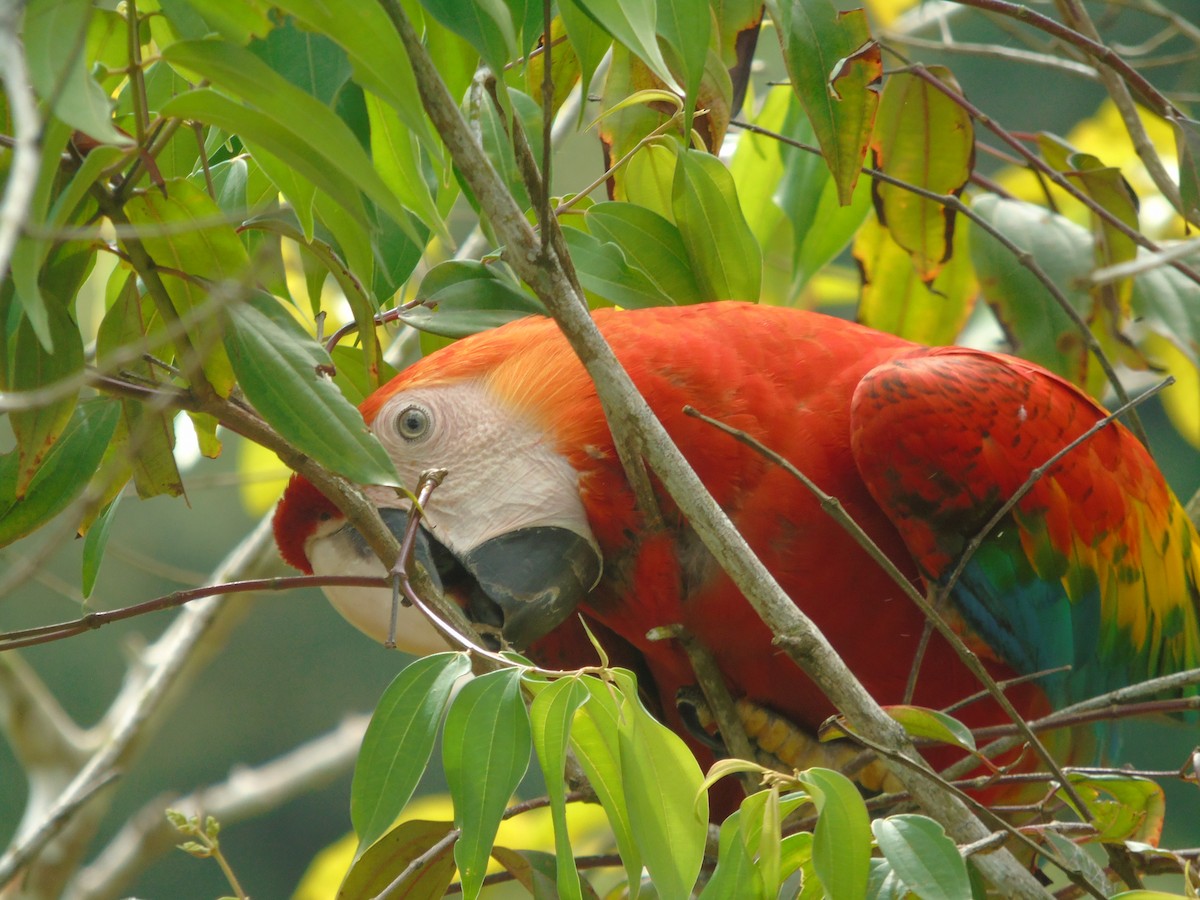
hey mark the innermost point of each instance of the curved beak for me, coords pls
(524, 583)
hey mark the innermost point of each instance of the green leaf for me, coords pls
(884, 883)
(795, 855)
(56, 44)
(649, 176)
(396, 256)
(533, 870)
(895, 299)
(923, 138)
(527, 24)
(292, 124)
(185, 232)
(353, 378)
(735, 874)
(589, 41)
(662, 780)
(145, 437)
(372, 872)
(834, 65)
(485, 752)
(1078, 858)
(1121, 807)
(1040, 330)
(595, 740)
(148, 438)
(279, 367)
(723, 251)
(551, 714)
(309, 60)
(833, 226)
(350, 235)
(633, 24)
(757, 165)
(1187, 148)
(64, 472)
(683, 26)
(933, 725)
(37, 429)
(651, 243)
(462, 297)
(93, 546)
(399, 741)
(604, 271)
(1168, 302)
(376, 53)
(396, 153)
(923, 857)
(842, 837)
(486, 24)
(1112, 192)
(235, 20)
(30, 252)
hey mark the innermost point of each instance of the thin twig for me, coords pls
(1144, 262)
(44, 634)
(998, 51)
(1148, 94)
(997, 823)
(1118, 91)
(146, 696)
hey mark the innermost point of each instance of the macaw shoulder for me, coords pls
(965, 427)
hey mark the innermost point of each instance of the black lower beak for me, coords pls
(524, 583)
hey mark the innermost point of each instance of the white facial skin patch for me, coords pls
(503, 473)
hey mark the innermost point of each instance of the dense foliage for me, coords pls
(200, 195)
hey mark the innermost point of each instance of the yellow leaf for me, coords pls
(885, 12)
(533, 830)
(262, 477)
(1182, 399)
(1103, 135)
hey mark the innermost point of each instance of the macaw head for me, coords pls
(506, 533)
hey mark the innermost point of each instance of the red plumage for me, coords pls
(919, 445)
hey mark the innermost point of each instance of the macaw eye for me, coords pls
(413, 422)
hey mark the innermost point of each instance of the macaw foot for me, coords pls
(783, 746)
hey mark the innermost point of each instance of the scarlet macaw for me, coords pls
(1097, 568)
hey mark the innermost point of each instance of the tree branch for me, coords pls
(1074, 14)
(247, 793)
(633, 423)
(27, 126)
(150, 689)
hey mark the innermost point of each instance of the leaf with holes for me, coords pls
(923, 138)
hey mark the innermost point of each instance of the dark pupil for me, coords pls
(412, 422)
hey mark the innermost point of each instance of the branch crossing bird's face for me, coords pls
(505, 532)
